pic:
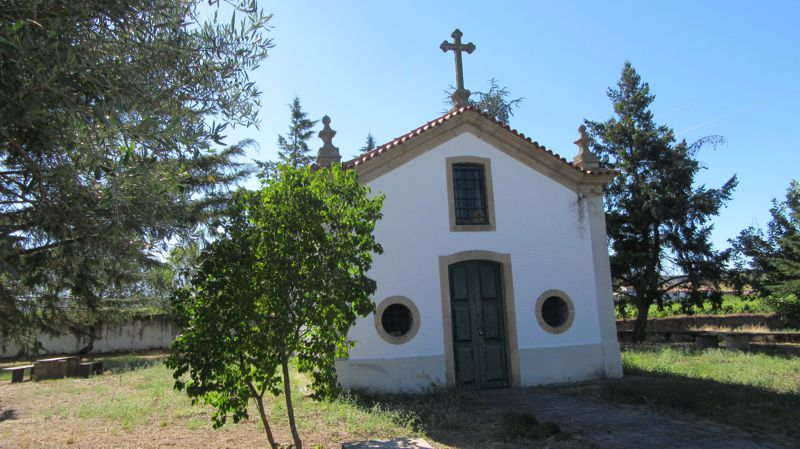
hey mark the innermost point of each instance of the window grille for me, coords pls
(397, 320)
(469, 191)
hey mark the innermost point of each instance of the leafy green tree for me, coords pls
(658, 222)
(287, 278)
(111, 143)
(369, 145)
(770, 262)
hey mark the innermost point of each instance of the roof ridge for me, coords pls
(377, 151)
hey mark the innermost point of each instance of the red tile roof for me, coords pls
(391, 145)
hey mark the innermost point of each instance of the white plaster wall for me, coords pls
(538, 221)
(136, 335)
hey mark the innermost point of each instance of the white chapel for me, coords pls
(495, 271)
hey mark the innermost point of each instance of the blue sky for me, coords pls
(717, 68)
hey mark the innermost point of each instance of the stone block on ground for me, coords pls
(707, 341)
(736, 341)
(397, 443)
(49, 369)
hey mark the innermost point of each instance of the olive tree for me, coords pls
(112, 121)
(286, 278)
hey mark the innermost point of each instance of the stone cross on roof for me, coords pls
(461, 95)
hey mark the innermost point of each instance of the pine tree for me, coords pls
(658, 223)
(770, 263)
(369, 145)
(294, 149)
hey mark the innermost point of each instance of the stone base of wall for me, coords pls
(538, 366)
(400, 374)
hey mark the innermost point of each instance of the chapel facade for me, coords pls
(495, 271)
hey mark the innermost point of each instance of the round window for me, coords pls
(554, 311)
(397, 319)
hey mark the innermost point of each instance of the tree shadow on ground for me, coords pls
(764, 412)
(785, 351)
(7, 413)
(133, 362)
(449, 416)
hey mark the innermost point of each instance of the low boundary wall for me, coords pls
(136, 335)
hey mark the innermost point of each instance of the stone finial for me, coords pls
(327, 154)
(585, 158)
(460, 95)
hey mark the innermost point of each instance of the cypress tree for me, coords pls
(658, 223)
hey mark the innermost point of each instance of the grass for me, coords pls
(133, 405)
(755, 392)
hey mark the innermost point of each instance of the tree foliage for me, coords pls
(108, 144)
(658, 222)
(494, 102)
(287, 277)
(769, 262)
(157, 282)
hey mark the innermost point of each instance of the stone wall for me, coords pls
(136, 335)
(685, 323)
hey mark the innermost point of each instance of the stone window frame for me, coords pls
(570, 310)
(415, 319)
(486, 163)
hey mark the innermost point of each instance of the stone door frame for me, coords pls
(507, 285)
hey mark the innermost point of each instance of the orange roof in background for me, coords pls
(391, 145)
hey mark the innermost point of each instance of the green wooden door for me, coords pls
(478, 325)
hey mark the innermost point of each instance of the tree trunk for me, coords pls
(642, 309)
(263, 413)
(287, 391)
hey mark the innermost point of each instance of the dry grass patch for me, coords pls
(134, 405)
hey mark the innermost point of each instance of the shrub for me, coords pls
(788, 307)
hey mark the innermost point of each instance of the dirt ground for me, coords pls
(138, 409)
